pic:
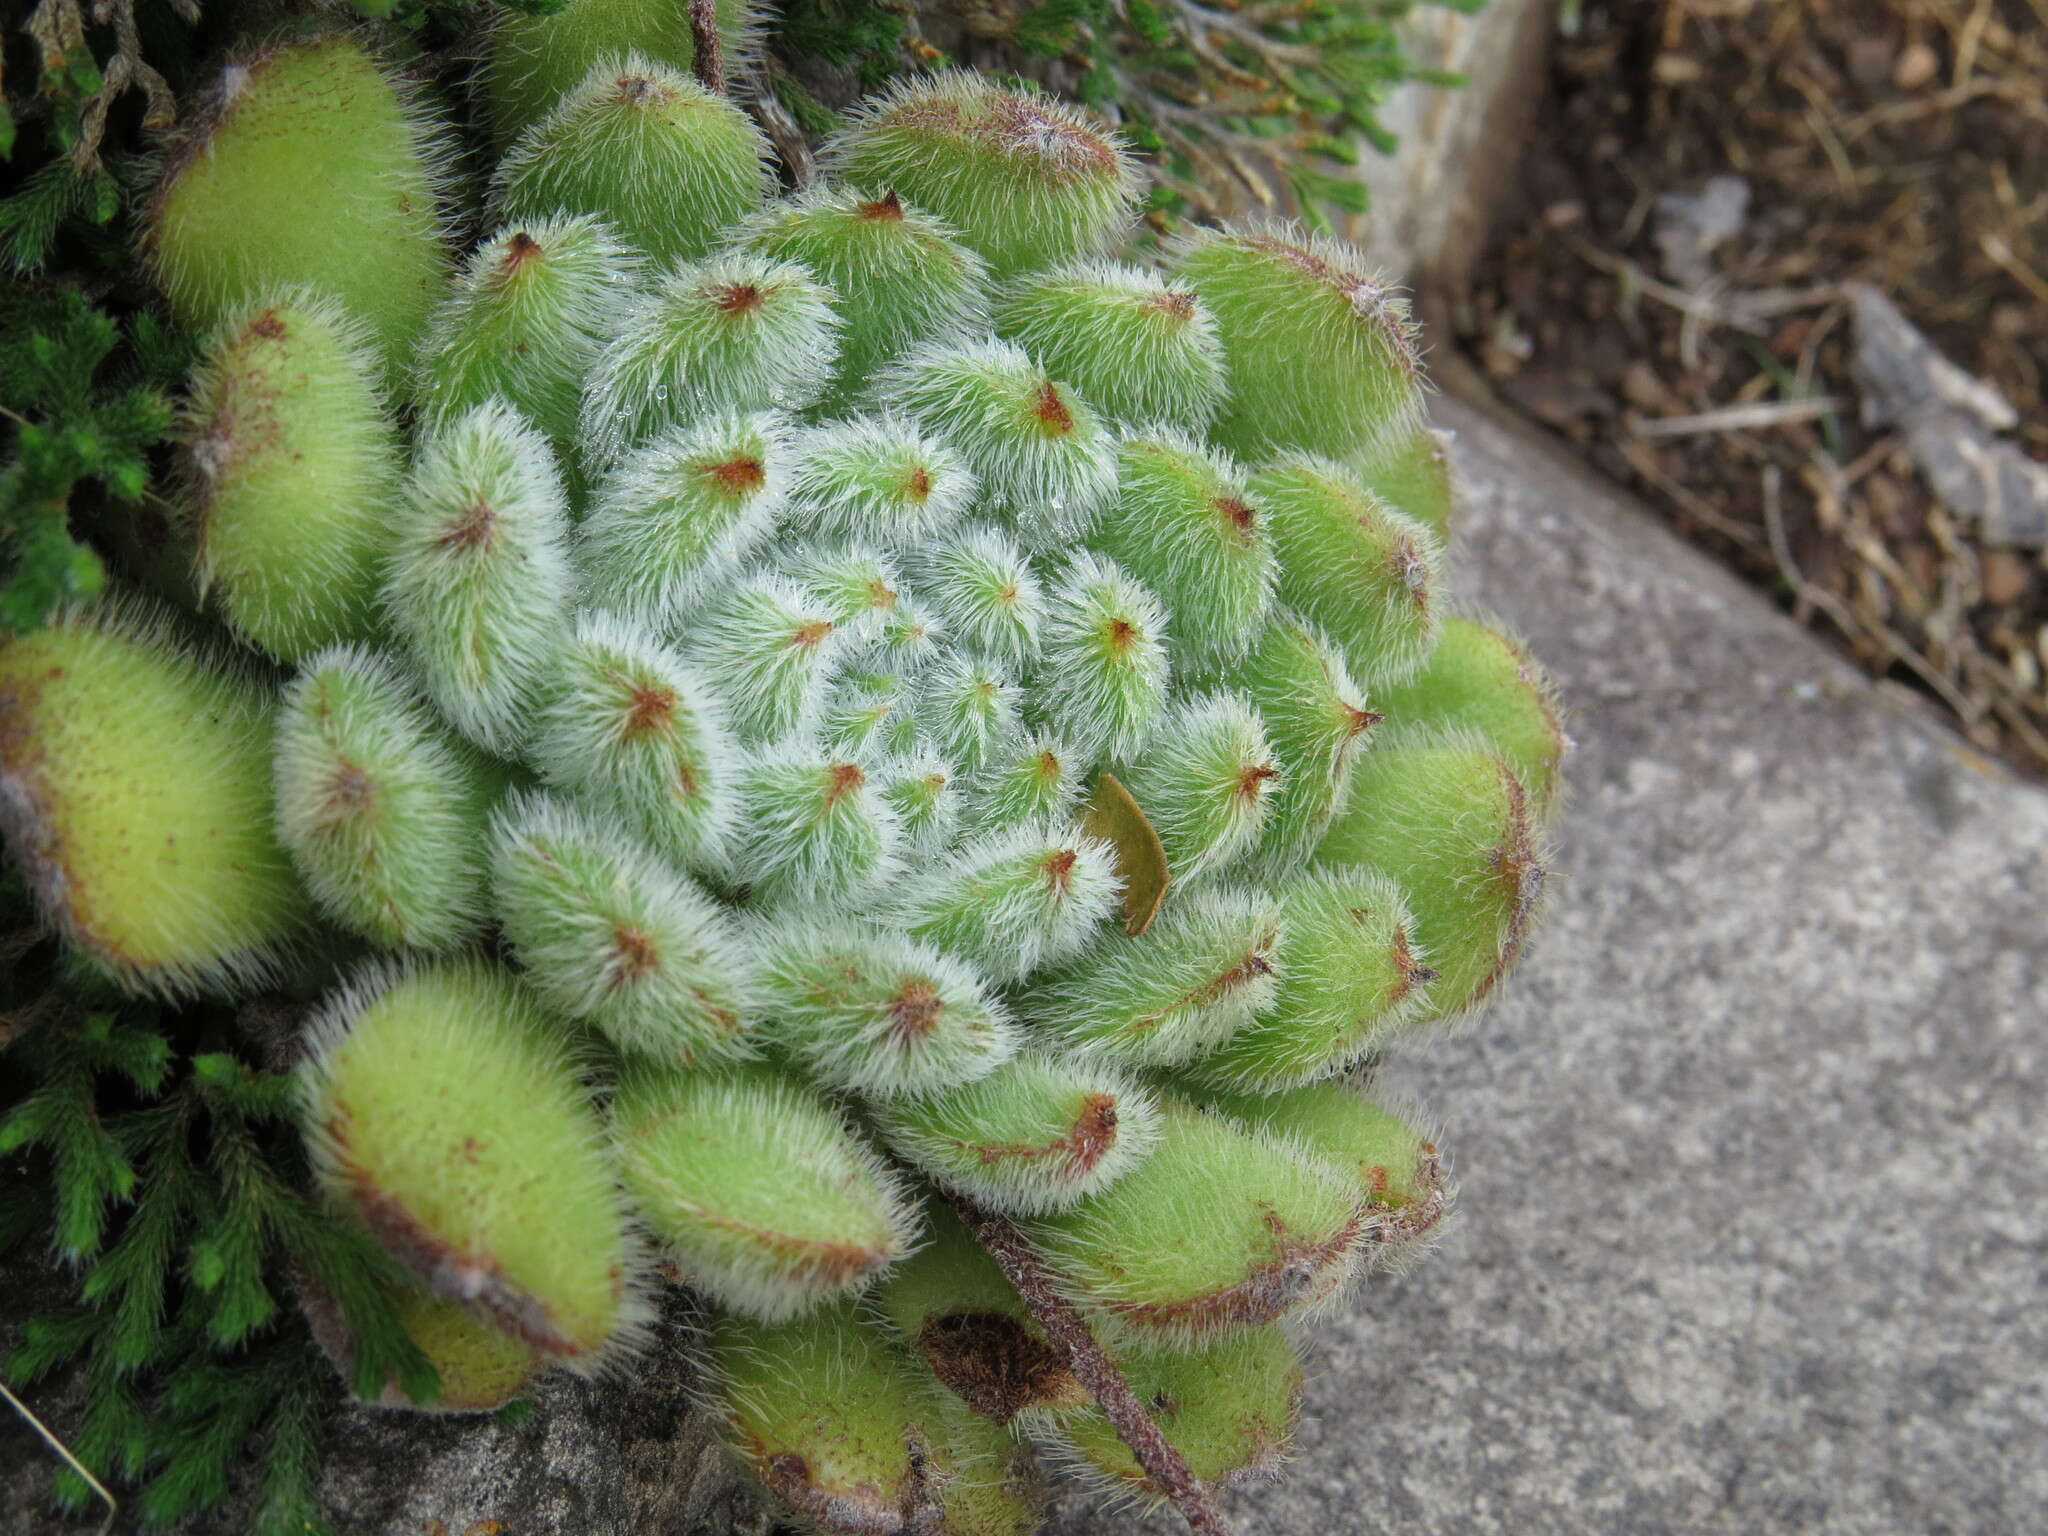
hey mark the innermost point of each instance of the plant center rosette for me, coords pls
(832, 725)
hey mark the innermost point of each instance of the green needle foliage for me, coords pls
(186, 1213)
(85, 399)
(751, 742)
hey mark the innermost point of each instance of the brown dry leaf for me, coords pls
(1114, 817)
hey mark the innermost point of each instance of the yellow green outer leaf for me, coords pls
(312, 170)
(294, 466)
(135, 795)
(444, 1109)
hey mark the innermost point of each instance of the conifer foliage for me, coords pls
(872, 751)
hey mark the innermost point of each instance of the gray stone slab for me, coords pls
(1433, 199)
(1751, 1233)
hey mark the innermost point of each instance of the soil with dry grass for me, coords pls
(1902, 143)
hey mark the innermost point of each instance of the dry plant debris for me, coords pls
(1676, 296)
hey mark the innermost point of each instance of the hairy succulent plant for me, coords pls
(901, 765)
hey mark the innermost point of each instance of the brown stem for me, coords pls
(923, 1514)
(1165, 1467)
(707, 52)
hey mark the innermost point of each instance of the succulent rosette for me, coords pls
(819, 711)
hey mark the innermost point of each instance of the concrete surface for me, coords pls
(1751, 1236)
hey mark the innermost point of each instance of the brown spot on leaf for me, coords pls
(652, 710)
(1373, 301)
(996, 1365)
(1017, 125)
(1254, 964)
(1409, 973)
(737, 298)
(918, 484)
(474, 529)
(350, 791)
(1178, 303)
(268, 326)
(1302, 1267)
(634, 953)
(1051, 410)
(831, 1263)
(1251, 784)
(1094, 1132)
(914, 1012)
(1517, 873)
(473, 1279)
(735, 477)
(813, 633)
(1243, 515)
(1359, 721)
(1403, 1216)
(1085, 1142)
(1411, 570)
(841, 780)
(888, 208)
(1059, 870)
(519, 250)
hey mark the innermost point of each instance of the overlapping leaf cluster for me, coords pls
(801, 714)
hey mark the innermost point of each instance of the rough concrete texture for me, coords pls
(1750, 1235)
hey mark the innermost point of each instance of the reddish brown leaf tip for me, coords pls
(841, 780)
(1051, 409)
(914, 1011)
(651, 710)
(474, 529)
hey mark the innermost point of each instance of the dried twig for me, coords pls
(1893, 112)
(63, 1450)
(17, 1022)
(1999, 250)
(1746, 311)
(781, 126)
(1640, 459)
(1165, 1467)
(707, 49)
(1740, 418)
(1819, 597)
